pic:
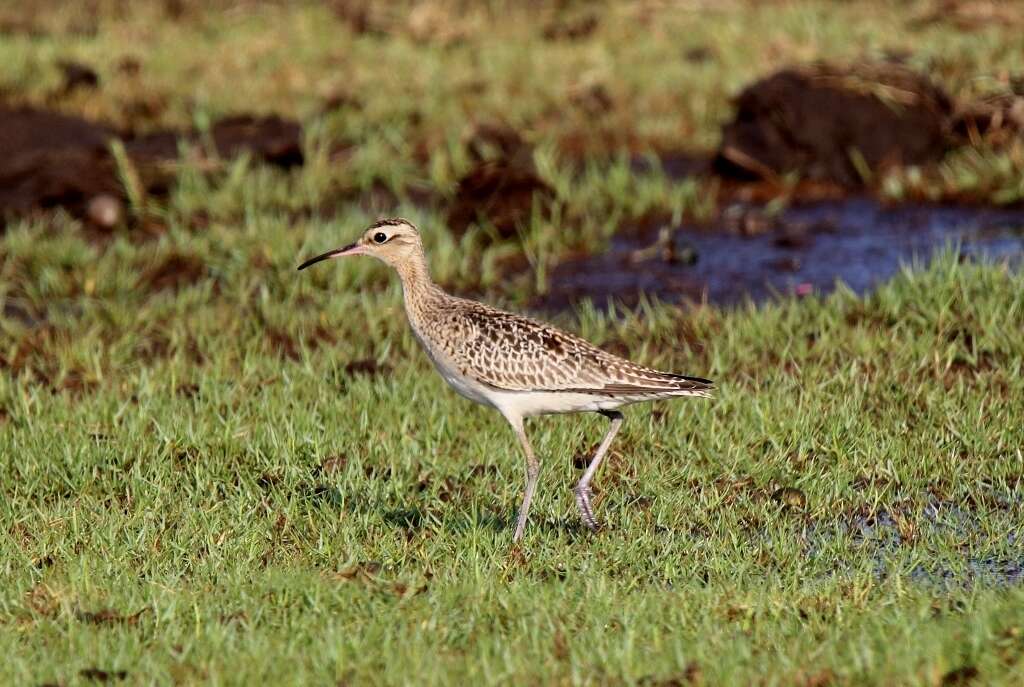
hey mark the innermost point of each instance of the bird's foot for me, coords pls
(583, 502)
(520, 529)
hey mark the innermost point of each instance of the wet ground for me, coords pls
(886, 533)
(49, 159)
(804, 250)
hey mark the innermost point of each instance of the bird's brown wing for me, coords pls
(516, 353)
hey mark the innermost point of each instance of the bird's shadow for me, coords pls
(414, 518)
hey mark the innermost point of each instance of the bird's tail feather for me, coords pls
(659, 385)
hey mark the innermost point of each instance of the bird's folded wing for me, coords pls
(515, 353)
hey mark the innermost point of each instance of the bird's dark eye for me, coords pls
(380, 237)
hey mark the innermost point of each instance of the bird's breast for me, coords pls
(462, 383)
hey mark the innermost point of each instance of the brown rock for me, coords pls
(105, 210)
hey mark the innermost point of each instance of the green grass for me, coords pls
(180, 476)
(198, 485)
(412, 82)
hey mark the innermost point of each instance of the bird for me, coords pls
(515, 364)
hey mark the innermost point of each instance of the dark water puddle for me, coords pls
(998, 562)
(804, 250)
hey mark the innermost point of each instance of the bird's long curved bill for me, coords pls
(351, 249)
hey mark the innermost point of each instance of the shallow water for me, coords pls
(804, 250)
(999, 562)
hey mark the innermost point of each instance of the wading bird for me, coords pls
(519, 366)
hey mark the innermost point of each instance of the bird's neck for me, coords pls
(417, 285)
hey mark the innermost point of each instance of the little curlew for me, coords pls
(519, 366)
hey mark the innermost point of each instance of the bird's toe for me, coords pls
(586, 512)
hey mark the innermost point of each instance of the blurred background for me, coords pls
(567, 151)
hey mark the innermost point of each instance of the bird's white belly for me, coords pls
(529, 403)
(465, 386)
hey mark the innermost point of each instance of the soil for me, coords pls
(502, 191)
(837, 124)
(807, 120)
(77, 75)
(49, 160)
(174, 273)
(572, 29)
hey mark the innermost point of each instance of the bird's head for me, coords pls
(393, 241)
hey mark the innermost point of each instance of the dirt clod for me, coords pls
(284, 343)
(500, 193)
(835, 123)
(362, 17)
(691, 675)
(77, 75)
(582, 459)
(822, 678)
(272, 139)
(492, 139)
(100, 675)
(699, 55)
(21, 26)
(362, 570)
(129, 65)
(50, 160)
(964, 675)
(592, 98)
(268, 480)
(970, 15)
(189, 391)
(366, 366)
(173, 274)
(108, 616)
(571, 29)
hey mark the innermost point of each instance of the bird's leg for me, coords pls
(582, 489)
(532, 472)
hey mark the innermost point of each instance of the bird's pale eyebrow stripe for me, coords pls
(389, 222)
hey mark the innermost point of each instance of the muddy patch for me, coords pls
(366, 367)
(503, 189)
(571, 29)
(50, 160)
(175, 272)
(803, 251)
(108, 616)
(103, 675)
(76, 76)
(886, 531)
(836, 123)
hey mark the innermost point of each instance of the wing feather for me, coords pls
(515, 353)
